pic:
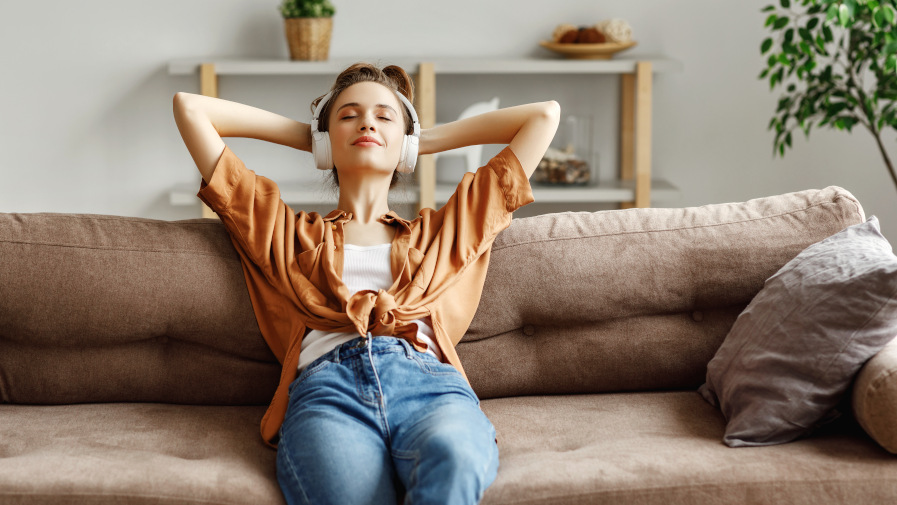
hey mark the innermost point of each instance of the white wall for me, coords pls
(86, 123)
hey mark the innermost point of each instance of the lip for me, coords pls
(366, 141)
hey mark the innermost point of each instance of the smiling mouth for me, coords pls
(366, 142)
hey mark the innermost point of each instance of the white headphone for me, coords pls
(320, 143)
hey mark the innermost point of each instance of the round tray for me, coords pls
(587, 51)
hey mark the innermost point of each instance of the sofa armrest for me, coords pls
(875, 397)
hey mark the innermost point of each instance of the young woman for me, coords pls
(362, 307)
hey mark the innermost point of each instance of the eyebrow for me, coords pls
(379, 106)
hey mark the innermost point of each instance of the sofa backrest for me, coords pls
(97, 308)
(636, 299)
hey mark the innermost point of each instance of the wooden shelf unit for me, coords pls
(633, 188)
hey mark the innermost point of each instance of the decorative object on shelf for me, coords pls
(561, 168)
(308, 25)
(616, 30)
(472, 155)
(569, 163)
(809, 40)
(586, 51)
(598, 42)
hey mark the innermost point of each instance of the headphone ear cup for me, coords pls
(410, 149)
(321, 150)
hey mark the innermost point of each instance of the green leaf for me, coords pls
(789, 35)
(766, 45)
(805, 48)
(827, 32)
(770, 19)
(780, 23)
(890, 64)
(878, 17)
(890, 48)
(831, 13)
(768, 8)
(843, 15)
(812, 23)
(785, 4)
(889, 14)
(788, 139)
(837, 107)
(784, 60)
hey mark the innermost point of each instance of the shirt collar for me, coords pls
(337, 215)
(388, 218)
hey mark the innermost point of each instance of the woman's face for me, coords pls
(366, 128)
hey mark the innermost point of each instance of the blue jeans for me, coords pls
(374, 420)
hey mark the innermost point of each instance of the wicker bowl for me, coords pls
(308, 38)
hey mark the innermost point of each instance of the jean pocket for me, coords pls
(431, 365)
(312, 368)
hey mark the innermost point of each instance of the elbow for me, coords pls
(181, 100)
(552, 110)
(177, 102)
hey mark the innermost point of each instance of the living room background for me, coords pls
(87, 124)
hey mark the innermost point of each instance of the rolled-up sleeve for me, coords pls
(511, 179)
(251, 209)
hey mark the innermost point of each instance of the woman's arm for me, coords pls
(203, 121)
(527, 129)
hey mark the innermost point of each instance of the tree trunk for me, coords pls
(884, 155)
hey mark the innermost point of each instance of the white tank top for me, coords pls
(364, 267)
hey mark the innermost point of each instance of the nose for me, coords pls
(367, 122)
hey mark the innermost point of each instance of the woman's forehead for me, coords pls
(368, 94)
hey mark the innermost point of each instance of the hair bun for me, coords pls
(402, 81)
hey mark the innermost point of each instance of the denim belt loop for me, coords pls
(407, 346)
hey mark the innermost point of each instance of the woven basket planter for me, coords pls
(308, 38)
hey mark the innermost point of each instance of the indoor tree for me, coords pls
(842, 55)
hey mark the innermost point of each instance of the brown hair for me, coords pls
(392, 76)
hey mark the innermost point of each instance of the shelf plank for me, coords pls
(297, 193)
(601, 192)
(246, 66)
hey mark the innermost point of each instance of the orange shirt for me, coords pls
(293, 263)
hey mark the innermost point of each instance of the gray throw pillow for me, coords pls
(792, 353)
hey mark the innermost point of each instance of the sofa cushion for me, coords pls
(135, 453)
(794, 351)
(657, 448)
(663, 448)
(97, 308)
(580, 302)
(874, 398)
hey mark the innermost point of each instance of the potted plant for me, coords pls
(308, 25)
(844, 54)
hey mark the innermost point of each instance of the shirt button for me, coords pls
(333, 227)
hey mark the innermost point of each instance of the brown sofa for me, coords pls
(132, 369)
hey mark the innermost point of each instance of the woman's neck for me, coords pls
(365, 198)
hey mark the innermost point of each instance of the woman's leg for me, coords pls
(443, 445)
(332, 447)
